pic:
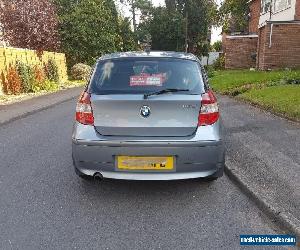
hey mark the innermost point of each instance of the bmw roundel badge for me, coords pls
(145, 111)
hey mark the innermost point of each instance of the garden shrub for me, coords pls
(51, 70)
(219, 63)
(81, 71)
(50, 85)
(14, 83)
(39, 78)
(47, 85)
(26, 75)
(39, 75)
(4, 83)
(209, 70)
(25, 78)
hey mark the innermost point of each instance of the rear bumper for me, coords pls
(193, 158)
(152, 176)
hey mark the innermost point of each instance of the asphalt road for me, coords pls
(263, 150)
(44, 205)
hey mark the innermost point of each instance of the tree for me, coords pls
(180, 19)
(31, 24)
(127, 35)
(166, 29)
(234, 15)
(64, 6)
(88, 29)
(144, 6)
(200, 16)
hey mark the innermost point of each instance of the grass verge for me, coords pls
(284, 100)
(234, 82)
(275, 91)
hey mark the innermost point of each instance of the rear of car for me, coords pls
(148, 116)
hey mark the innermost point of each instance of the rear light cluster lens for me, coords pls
(209, 112)
(84, 112)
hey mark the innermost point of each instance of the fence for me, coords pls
(9, 56)
(212, 57)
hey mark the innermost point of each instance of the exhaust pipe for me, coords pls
(98, 177)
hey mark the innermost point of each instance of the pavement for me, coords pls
(263, 157)
(44, 205)
(17, 110)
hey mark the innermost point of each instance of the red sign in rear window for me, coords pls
(146, 80)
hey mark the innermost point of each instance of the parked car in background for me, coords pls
(148, 116)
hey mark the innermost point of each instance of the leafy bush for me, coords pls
(219, 63)
(46, 86)
(25, 78)
(39, 75)
(81, 71)
(50, 85)
(14, 83)
(209, 70)
(4, 83)
(26, 75)
(217, 46)
(292, 77)
(51, 70)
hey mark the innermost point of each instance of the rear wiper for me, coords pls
(163, 91)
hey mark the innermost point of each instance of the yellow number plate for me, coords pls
(145, 163)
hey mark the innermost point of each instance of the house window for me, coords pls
(265, 6)
(279, 5)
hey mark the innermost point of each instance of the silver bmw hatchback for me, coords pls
(148, 116)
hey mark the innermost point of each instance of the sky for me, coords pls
(158, 2)
(216, 31)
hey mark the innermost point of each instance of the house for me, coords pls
(272, 40)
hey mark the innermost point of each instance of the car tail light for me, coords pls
(209, 112)
(84, 112)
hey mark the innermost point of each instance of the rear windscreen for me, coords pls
(138, 75)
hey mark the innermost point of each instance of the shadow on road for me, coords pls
(125, 188)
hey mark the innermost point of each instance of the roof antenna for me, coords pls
(147, 43)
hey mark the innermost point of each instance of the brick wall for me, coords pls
(254, 16)
(239, 52)
(261, 47)
(284, 50)
(297, 10)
